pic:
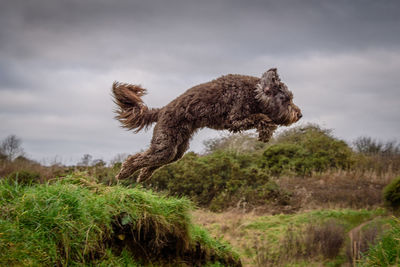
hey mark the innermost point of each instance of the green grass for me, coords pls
(269, 231)
(77, 222)
(274, 225)
(387, 251)
(261, 239)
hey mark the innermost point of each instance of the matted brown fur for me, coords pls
(231, 102)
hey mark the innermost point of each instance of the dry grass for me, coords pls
(231, 226)
(45, 172)
(337, 189)
(362, 238)
(274, 240)
(308, 242)
(326, 239)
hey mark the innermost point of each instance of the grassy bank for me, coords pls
(77, 222)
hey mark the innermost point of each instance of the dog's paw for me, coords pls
(264, 137)
(265, 132)
(122, 175)
(236, 127)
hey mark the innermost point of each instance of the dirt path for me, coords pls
(356, 240)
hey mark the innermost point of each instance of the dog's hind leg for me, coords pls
(147, 172)
(181, 149)
(131, 164)
(150, 158)
(163, 148)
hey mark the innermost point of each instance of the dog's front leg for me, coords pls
(251, 122)
(264, 125)
(237, 125)
(265, 130)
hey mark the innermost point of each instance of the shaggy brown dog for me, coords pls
(232, 102)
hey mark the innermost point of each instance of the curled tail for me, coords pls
(132, 112)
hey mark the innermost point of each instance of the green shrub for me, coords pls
(286, 158)
(218, 180)
(391, 194)
(3, 157)
(303, 150)
(237, 172)
(24, 177)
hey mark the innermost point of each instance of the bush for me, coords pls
(327, 239)
(391, 194)
(232, 176)
(3, 157)
(303, 242)
(324, 239)
(218, 180)
(285, 159)
(303, 150)
(24, 177)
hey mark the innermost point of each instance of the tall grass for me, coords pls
(317, 236)
(387, 251)
(75, 221)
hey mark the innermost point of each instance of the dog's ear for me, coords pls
(269, 80)
(272, 77)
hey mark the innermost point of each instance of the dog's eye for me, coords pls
(283, 99)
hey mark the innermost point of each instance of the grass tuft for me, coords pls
(387, 251)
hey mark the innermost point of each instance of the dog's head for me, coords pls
(276, 100)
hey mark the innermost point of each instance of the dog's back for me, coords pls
(209, 104)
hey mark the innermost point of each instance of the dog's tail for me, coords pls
(132, 112)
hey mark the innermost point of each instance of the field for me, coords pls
(310, 238)
(305, 199)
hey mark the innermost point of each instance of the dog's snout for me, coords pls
(299, 115)
(297, 110)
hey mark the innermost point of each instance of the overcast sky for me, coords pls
(58, 60)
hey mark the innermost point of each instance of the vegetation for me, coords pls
(23, 177)
(304, 150)
(306, 198)
(10, 148)
(313, 238)
(391, 194)
(218, 181)
(387, 251)
(239, 171)
(367, 145)
(76, 221)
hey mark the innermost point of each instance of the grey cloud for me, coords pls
(222, 27)
(59, 59)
